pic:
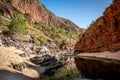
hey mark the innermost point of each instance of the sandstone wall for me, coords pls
(103, 34)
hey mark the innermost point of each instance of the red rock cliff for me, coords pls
(104, 33)
(36, 10)
(39, 13)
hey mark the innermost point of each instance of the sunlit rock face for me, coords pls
(35, 9)
(104, 33)
(39, 13)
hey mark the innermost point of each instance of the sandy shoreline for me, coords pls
(106, 54)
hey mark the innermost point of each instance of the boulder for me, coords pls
(1, 42)
(41, 49)
(24, 55)
(50, 63)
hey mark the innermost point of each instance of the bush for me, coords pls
(37, 42)
(57, 33)
(18, 25)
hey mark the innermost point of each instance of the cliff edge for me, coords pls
(103, 34)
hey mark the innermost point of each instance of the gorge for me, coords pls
(98, 47)
(35, 44)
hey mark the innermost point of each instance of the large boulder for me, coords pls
(50, 63)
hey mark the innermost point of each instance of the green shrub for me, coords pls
(57, 33)
(18, 25)
(37, 42)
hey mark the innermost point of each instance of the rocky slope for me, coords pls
(39, 13)
(104, 33)
(34, 20)
(19, 65)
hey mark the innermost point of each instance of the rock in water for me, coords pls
(50, 62)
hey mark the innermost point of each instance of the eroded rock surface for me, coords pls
(39, 13)
(104, 33)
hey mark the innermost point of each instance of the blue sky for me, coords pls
(81, 12)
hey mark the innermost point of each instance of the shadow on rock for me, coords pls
(50, 64)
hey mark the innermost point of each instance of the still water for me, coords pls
(68, 72)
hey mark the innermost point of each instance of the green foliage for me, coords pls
(45, 32)
(18, 25)
(57, 33)
(37, 42)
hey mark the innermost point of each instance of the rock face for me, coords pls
(39, 13)
(104, 33)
